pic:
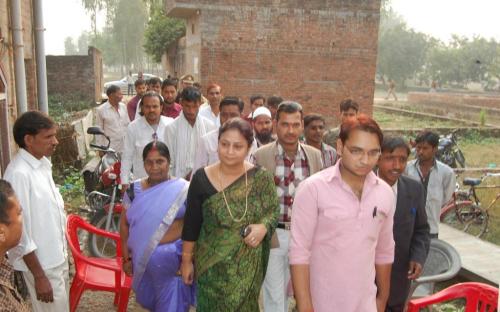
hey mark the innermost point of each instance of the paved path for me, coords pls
(480, 259)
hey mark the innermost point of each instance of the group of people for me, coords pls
(221, 206)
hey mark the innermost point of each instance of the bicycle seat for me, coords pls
(472, 181)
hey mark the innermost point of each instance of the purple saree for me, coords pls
(155, 280)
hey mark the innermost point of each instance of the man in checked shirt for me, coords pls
(291, 162)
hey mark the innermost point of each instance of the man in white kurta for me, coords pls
(42, 252)
(112, 117)
(212, 111)
(140, 132)
(207, 152)
(182, 135)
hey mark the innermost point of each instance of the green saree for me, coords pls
(229, 273)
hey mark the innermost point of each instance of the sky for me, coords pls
(439, 18)
(62, 19)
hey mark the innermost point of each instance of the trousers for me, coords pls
(277, 276)
(59, 280)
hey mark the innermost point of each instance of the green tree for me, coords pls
(127, 27)
(83, 43)
(93, 7)
(69, 46)
(402, 51)
(464, 60)
(161, 32)
(104, 41)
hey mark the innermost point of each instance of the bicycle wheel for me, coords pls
(474, 218)
(100, 246)
(449, 215)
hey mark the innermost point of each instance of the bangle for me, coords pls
(126, 259)
(187, 254)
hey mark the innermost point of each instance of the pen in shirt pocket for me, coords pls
(374, 212)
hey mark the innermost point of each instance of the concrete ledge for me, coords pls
(405, 112)
(480, 258)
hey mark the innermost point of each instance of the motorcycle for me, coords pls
(102, 190)
(449, 152)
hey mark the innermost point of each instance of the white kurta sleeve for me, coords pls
(21, 185)
(128, 155)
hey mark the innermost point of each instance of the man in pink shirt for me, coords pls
(341, 232)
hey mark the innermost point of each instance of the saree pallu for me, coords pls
(150, 215)
(229, 273)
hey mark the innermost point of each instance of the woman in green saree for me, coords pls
(231, 215)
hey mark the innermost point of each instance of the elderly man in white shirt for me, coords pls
(211, 111)
(112, 117)
(42, 252)
(151, 126)
(183, 134)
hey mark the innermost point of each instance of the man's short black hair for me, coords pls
(389, 144)
(112, 89)
(348, 104)
(6, 191)
(312, 117)
(154, 80)
(168, 82)
(429, 137)
(256, 97)
(232, 100)
(191, 94)
(139, 82)
(289, 107)
(274, 101)
(30, 123)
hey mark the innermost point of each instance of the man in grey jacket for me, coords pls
(291, 162)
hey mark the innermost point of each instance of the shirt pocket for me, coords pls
(373, 224)
(338, 230)
(139, 147)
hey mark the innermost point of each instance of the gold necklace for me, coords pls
(246, 197)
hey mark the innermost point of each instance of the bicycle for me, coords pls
(464, 211)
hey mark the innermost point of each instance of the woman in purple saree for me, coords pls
(150, 231)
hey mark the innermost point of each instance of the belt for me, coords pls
(284, 226)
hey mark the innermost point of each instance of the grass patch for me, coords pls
(71, 187)
(64, 108)
(388, 120)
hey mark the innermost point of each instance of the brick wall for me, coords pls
(441, 98)
(79, 76)
(316, 52)
(8, 102)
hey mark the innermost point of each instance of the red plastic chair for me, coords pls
(98, 274)
(478, 297)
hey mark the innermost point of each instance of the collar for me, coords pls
(334, 174)
(183, 118)
(174, 107)
(280, 151)
(5, 272)
(434, 165)
(146, 124)
(395, 187)
(32, 161)
(108, 105)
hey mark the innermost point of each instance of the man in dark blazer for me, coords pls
(411, 230)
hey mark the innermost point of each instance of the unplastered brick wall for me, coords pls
(75, 75)
(315, 52)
